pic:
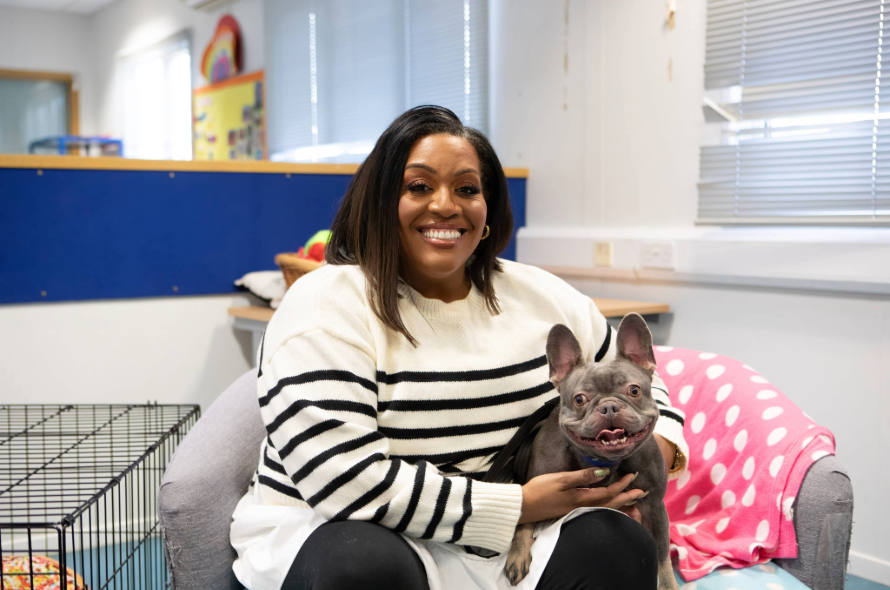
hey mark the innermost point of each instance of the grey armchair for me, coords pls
(212, 468)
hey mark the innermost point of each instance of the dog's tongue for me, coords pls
(610, 435)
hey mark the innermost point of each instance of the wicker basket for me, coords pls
(294, 267)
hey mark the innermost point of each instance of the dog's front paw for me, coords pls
(517, 566)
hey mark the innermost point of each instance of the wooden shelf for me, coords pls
(611, 308)
(253, 312)
(618, 308)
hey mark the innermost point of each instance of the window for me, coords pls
(157, 94)
(341, 70)
(795, 128)
(34, 106)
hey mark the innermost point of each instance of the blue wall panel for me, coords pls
(516, 186)
(95, 234)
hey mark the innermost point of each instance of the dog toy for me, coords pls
(314, 248)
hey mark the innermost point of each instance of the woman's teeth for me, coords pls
(441, 234)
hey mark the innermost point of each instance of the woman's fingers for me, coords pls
(611, 496)
(583, 477)
(556, 494)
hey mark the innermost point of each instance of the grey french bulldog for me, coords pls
(606, 417)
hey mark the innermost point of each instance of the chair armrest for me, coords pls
(209, 473)
(823, 520)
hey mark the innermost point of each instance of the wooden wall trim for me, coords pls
(79, 163)
(37, 75)
(73, 112)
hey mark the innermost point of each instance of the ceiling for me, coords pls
(73, 6)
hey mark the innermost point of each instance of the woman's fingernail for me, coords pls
(632, 502)
(601, 472)
(634, 476)
(643, 495)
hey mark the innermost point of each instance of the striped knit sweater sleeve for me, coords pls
(671, 420)
(318, 399)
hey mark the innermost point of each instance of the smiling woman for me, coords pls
(390, 379)
(442, 214)
(427, 171)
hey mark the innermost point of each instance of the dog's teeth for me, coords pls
(624, 439)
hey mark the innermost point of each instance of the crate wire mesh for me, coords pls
(79, 485)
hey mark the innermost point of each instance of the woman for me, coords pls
(391, 377)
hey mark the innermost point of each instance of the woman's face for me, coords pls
(442, 210)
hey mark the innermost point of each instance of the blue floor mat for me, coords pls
(759, 577)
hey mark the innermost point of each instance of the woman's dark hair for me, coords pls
(366, 229)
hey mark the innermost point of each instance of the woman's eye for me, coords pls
(580, 399)
(418, 187)
(469, 190)
(634, 390)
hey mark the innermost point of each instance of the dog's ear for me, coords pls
(563, 352)
(635, 342)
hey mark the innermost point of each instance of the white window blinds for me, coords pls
(340, 71)
(795, 128)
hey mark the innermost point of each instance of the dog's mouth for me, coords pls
(612, 440)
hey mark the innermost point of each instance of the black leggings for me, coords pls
(597, 550)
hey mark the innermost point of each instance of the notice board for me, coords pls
(229, 119)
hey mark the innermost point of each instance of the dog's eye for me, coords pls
(634, 390)
(580, 399)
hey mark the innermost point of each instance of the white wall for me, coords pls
(612, 147)
(610, 140)
(169, 350)
(52, 42)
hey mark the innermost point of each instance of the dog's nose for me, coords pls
(609, 409)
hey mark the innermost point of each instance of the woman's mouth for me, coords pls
(441, 237)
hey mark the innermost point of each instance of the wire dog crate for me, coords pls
(78, 494)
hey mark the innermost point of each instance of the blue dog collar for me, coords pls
(590, 461)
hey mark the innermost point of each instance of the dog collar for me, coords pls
(590, 461)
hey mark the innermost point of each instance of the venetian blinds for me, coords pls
(340, 71)
(796, 131)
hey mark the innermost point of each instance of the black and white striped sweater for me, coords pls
(361, 425)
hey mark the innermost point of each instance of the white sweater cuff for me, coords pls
(496, 510)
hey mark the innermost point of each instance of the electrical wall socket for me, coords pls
(602, 254)
(659, 255)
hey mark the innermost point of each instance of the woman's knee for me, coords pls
(352, 554)
(603, 549)
(610, 532)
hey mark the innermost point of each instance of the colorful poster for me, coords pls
(229, 119)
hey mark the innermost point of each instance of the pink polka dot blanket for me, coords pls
(750, 448)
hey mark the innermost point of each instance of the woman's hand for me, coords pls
(556, 494)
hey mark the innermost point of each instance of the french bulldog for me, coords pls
(605, 417)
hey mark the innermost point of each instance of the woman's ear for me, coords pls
(563, 353)
(635, 342)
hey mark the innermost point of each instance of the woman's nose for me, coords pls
(443, 203)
